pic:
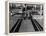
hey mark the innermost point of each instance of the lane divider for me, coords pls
(14, 26)
(36, 25)
(39, 26)
(18, 26)
(36, 29)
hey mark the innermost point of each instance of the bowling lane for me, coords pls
(40, 21)
(12, 21)
(26, 26)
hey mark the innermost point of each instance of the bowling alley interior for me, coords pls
(26, 17)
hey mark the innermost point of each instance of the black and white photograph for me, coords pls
(26, 17)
